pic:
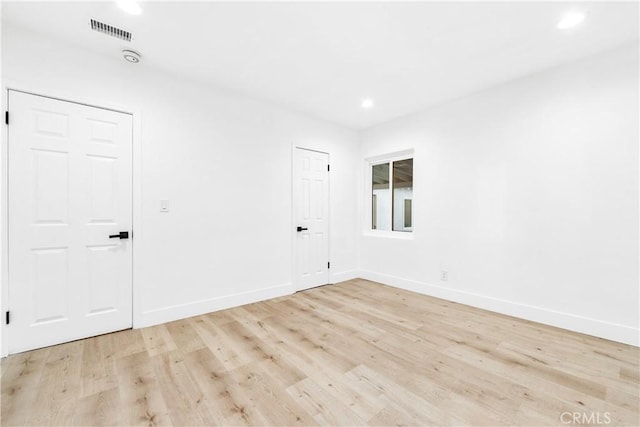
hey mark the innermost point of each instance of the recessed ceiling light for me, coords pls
(570, 20)
(367, 103)
(130, 6)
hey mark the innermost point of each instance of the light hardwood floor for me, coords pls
(356, 353)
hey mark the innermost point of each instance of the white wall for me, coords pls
(223, 161)
(527, 193)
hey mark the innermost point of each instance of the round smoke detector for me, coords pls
(131, 56)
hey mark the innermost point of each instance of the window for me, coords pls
(392, 195)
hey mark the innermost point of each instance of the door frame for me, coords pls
(294, 281)
(76, 98)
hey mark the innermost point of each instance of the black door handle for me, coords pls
(299, 229)
(121, 235)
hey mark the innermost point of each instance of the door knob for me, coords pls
(299, 229)
(121, 235)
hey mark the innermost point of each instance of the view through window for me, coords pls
(392, 195)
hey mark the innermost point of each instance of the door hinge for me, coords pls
(8, 317)
(328, 265)
(328, 168)
(6, 117)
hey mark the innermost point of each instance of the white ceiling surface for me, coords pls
(324, 58)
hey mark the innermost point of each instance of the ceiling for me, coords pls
(324, 58)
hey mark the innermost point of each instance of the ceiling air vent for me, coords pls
(110, 30)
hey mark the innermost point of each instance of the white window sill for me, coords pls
(400, 235)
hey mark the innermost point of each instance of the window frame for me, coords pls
(369, 163)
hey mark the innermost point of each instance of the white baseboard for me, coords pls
(599, 328)
(344, 276)
(196, 308)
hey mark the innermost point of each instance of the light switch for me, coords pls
(164, 206)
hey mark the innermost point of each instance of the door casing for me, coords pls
(294, 283)
(5, 304)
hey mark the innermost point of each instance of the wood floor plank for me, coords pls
(97, 372)
(355, 353)
(325, 408)
(184, 336)
(186, 403)
(20, 380)
(219, 343)
(59, 388)
(141, 399)
(158, 340)
(419, 409)
(274, 405)
(99, 409)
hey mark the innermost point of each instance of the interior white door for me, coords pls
(311, 207)
(70, 189)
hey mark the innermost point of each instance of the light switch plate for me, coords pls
(164, 206)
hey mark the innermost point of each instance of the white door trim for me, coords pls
(294, 284)
(4, 194)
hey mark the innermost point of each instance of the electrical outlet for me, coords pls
(444, 275)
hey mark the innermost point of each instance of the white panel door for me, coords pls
(70, 188)
(311, 207)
